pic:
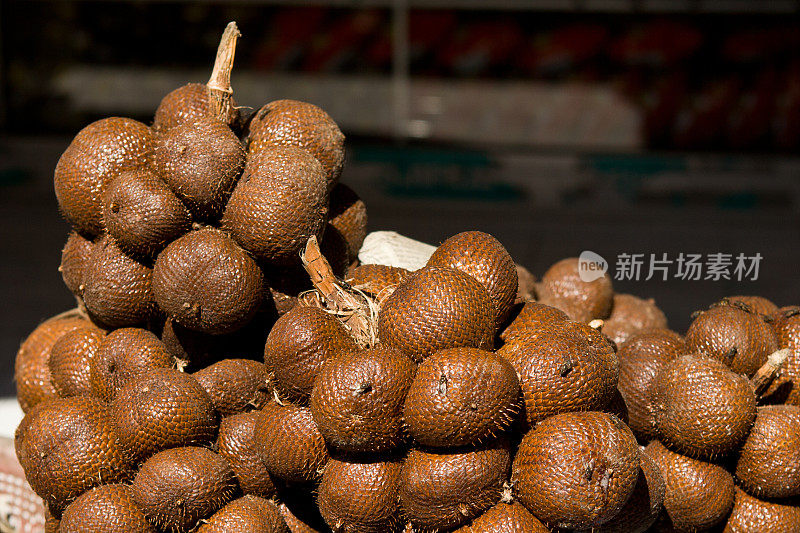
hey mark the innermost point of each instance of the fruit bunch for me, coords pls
(232, 367)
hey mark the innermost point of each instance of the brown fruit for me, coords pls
(357, 400)
(297, 346)
(641, 358)
(786, 388)
(576, 470)
(701, 408)
(285, 284)
(248, 514)
(290, 443)
(562, 287)
(740, 339)
(31, 368)
(335, 249)
(97, 154)
(769, 461)
(755, 304)
(562, 369)
(360, 496)
(434, 309)
(645, 504)
(67, 446)
(529, 317)
(527, 285)
(142, 213)
(161, 409)
(293, 123)
(187, 105)
(461, 396)
(51, 523)
(176, 488)
(483, 257)
(630, 315)
(105, 509)
(699, 495)
(200, 161)
(505, 518)
(236, 443)
(123, 355)
(236, 385)
(447, 489)
(70, 360)
(117, 288)
(750, 514)
(300, 511)
(378, 280)
(279, 203)
(207, 283)
(348, 214)
(74, 258)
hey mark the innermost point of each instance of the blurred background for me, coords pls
(616, 126)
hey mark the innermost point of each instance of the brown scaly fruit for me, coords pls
(335, 249)
(769, 461)
(641, 358)
(67, 446)
(300, 124)
(750, 514)
(186, 105)
(97, 154)
(442, 490)
(562, 369)
(142, 213)
(285, 284)
(505, 518)
(483, 257)
(300, 511)
(51, 523)
(105, 509)
(200, 161)
(117, 288)
(176, 488)
(378, 280)
(71, 358)
(461, 396)
(74, 258)
(631, 315)
(31, 368)
(527, 285)
(236, 385)
(207, 283)
(757, 304)
(529, 317)
(576, 470)
(361, 495)
(357, 399)
(123, 355)
(248, 514)
(562, 287)
(701, 408)
(348, 214)
(290, 443)
(786, 387)
(434, 309)
(236, 443)
(699, 495)
(738, 338)
(298, 345)
(163, 408)
(279, 203)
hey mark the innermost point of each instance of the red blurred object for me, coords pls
(289, 36)
(662, 102)
(658, 43)
(481, 46)
(562, 49)
(344, 39)
(427, 32)
(703, 120)
(750, 120)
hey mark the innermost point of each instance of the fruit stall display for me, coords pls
(233, 366)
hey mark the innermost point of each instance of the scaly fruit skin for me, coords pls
(186, 105)
(699, 495)
(483, 257)
(786, 387)
(532, 316)
(348, 214)
(377, 280)
(576, 470)
(360, 496)
(69, 445)
(631, 315)
(434, 309)
(71, 358)
(461, 396)
(236, 385)
(756, 304)
(750, 514)
(74, 258)
(769, 461)
(505, 518)
(97, 154)
(562, 287)
(248, 514)
(176, 488)
(105, 509)
(701, 408)
(237, 444)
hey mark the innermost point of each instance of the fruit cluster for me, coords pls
(464, 396)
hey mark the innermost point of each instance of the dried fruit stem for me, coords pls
(219, 85)
(764, 376)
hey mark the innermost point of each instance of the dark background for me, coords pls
(679, 134)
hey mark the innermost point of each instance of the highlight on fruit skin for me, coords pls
(562, 287)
